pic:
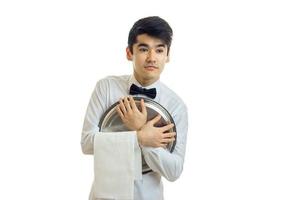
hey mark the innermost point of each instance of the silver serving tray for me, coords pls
(111, 122)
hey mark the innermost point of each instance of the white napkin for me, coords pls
(117, 163)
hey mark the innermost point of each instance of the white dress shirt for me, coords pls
(163, 163)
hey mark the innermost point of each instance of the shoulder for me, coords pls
(171, 98)
(113, 79)
(109, 81)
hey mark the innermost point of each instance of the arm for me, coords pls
(153, 140)
(170, 165)
(95, 110)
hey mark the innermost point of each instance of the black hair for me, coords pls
(153, 26)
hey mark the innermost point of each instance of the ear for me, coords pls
(128, 54)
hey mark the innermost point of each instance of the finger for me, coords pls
(127, 105)
(132, 103)
(155, 119)
(144, 109)
(167, 127)
(122, 107)
(169, 135)
(120, 112)
(168, 140)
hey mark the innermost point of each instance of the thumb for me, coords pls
(155, 119)
(144, 109)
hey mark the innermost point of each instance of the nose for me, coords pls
(151, 56)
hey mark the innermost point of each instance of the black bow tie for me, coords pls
(134, 89)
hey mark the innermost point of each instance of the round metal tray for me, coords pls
(111, 122)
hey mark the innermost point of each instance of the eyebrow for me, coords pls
(146, 45)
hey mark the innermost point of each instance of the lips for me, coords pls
(150, 67)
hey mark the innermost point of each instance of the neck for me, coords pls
(145, 82)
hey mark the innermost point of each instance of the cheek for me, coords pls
(163, 59)
(139, 62)
(138, 65)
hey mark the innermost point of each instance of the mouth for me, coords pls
(151, 68)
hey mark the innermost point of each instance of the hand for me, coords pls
(152, 136)
(131, 116)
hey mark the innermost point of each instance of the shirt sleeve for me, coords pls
(95, 110)
(170, 165)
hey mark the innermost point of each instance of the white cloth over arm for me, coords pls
(117, 163)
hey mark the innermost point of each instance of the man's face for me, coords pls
(149, 57)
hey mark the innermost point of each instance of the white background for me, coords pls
(235, 64)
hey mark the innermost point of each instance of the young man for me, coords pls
(148, 48)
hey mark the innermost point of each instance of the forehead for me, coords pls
(150, 41)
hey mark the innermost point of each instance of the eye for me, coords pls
(160, 50)
(143, 49)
